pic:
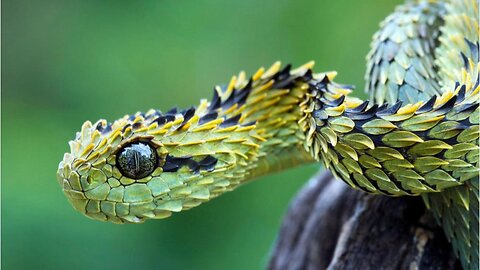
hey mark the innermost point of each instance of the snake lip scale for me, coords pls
(418, 134)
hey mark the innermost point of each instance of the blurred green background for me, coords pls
(68, 61)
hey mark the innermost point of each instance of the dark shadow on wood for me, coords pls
(331, 226)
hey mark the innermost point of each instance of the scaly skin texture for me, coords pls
(425, 55)
(444, 38)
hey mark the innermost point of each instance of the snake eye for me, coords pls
(137, 160)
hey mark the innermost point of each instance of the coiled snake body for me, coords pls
(418, 136)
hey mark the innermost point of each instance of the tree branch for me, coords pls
(331, 226)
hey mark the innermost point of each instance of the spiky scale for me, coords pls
(421, 122)
(429, 148)
(359, 141)
(440, 178)
(346, 151)
(397, 165)
(382, 153)
(400, 139)
(369, 162)
(427, 164)
(342, 124)
(445, 130)
(378, 126)
(469, 134)
(459, 150)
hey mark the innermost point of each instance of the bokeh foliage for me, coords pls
(67, 61)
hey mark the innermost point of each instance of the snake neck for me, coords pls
(264, 120)
(281, 110)
(257, 126)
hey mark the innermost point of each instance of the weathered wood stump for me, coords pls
(331, 226)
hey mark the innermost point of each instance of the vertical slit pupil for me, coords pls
(137, 160)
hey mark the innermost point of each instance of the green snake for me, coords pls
(418, 135)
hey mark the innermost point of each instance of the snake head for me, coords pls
(149, 165)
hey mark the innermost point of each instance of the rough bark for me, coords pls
(331, 226)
